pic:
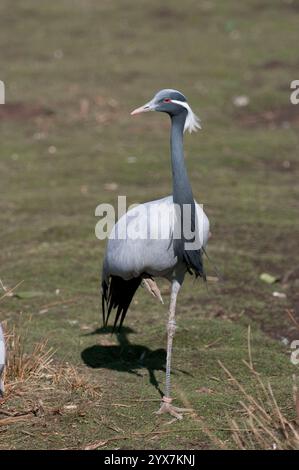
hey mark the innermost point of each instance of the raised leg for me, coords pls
(166, 406)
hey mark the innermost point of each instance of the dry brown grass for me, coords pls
(36, 385)
(262, 424)
(72, 379)
(38, 367)
(22, 366)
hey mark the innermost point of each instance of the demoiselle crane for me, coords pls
(2, 360)
(163, 251)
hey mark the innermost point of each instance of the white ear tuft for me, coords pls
(192, 123)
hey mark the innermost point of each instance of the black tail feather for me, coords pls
(118, 294)
(194, 263)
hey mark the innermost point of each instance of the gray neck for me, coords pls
(182, 191)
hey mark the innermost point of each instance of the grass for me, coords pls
(76, 70)
(263, 424)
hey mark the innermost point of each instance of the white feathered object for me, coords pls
(149, 241)
(2, 360)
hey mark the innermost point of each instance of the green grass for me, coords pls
(115, 56)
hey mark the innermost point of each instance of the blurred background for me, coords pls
(73, 71)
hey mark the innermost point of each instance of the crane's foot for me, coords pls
(167, 407)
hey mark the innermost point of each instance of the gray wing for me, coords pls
(131, 251)
(129, 257)
(134, 249)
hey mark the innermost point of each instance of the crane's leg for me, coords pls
(166, 406)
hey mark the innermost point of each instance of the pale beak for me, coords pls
(143, 109)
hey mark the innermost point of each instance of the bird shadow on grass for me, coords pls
(125, 356)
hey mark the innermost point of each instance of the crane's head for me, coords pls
(171, 102)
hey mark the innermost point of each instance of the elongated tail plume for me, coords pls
(118, 294)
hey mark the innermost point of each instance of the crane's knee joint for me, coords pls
(171, 327)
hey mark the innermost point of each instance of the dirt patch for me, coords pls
(279, 117)
(22, 111)
(286, 5)
(277, 64)
(273, 64)
(280, 166)
(166, 13)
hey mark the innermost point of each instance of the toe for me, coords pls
(174, 413)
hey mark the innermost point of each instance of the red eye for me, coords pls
(167, 100)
